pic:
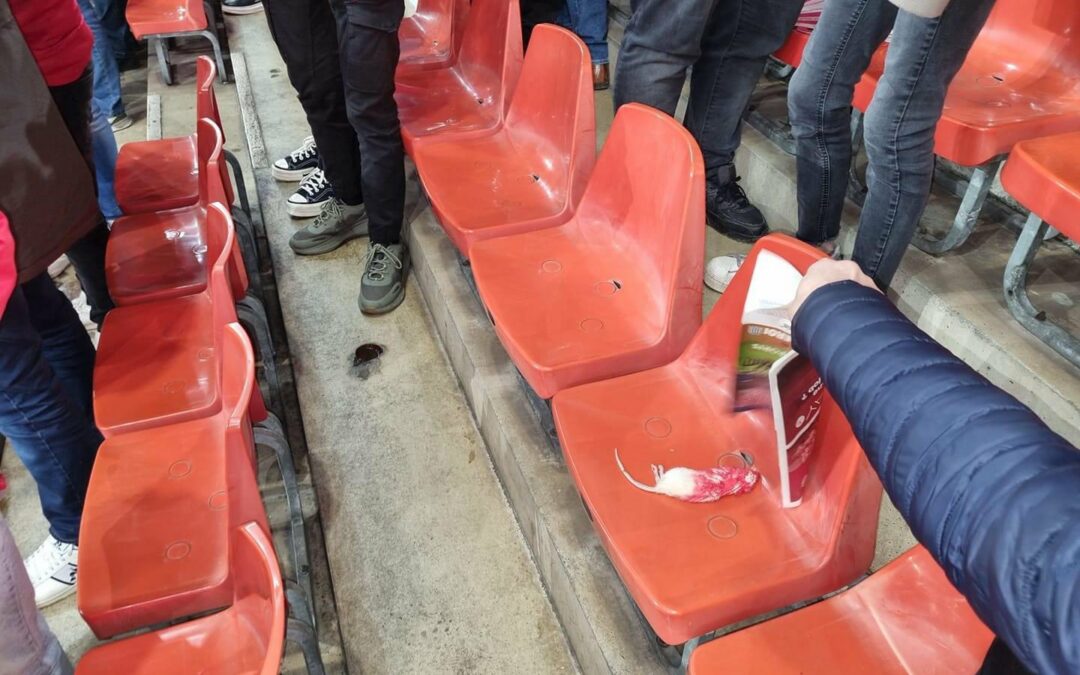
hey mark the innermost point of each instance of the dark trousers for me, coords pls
(306, 35)
(46, 371)
(924, 56)
(727, 42)
(369, 56)
(88, 254)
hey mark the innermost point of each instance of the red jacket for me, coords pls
(57, 36)
(7, 263)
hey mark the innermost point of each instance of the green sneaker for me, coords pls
(336, 224)
(383, 286)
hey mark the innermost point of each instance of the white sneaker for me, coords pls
(308, 200)
(52, 569)
(721, 270)
(298, 163)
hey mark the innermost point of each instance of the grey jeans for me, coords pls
(726, 42)
(923, 58)
(27, 646)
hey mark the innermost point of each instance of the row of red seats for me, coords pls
(174, 529)
(1017, 95)
(592, 276)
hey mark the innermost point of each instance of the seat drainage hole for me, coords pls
(536, 177)
(551, 266)
(218, 501)
(178, 550)
(607, 287)
(179, 468)
(723, 527)
(591, 325)
(658, 427)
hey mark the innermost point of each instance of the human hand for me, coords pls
(825, 272)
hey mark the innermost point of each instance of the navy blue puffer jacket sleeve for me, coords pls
(988, 488)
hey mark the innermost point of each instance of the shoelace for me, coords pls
(330, 214)
(46, 559)
(376, 262)
(314, 183)
(732, 191)
(305, 151)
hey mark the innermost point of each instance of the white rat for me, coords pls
(696, 485)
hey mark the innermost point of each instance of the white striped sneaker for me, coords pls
(52, 569)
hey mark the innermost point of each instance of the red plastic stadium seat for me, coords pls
(906, 618)
(792, 50)
(1020, 81)
(1043, 174)
(161, 502)
(694, 568)
(160, 17)
(164, 174)
(530, 173)
(159, 363)
(431, 38)
(470, 97)
(617, 289)
(247, 638)
(162, 254)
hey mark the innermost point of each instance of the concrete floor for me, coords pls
(429, 569)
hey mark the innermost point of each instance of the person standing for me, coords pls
(106, 97)
(931, 39)
(589, 19)
(341, 57)
(727, 43)
(369, 57)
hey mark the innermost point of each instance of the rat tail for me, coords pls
(639, 485)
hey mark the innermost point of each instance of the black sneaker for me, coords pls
(728, 210)
(298, 163)
(308, 200)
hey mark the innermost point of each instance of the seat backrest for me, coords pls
(212, 177)
(552, 112)
(491, 48)
(206, 104)
(237, 388)
(1029, 38)
(653, 210)
(259, 594)
(842, 493)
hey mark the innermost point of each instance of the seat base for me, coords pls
(157, 256)
(156, 364)
(157, 175)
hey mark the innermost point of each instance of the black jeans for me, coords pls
(369, 56)
(727, 42)
(88, 254)
(306, 35)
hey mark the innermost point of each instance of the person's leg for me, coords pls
(114, 24)
(106, 72)
(27, 646)
(662, 40)
(306, 34)
(589, 19)
(369, 55)
(924, 56)
(48, 427)
(738, 39)
(88, 254)
(104, 143)
(819, 106)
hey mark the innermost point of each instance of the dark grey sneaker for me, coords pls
(336, 224)
(383, 286)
